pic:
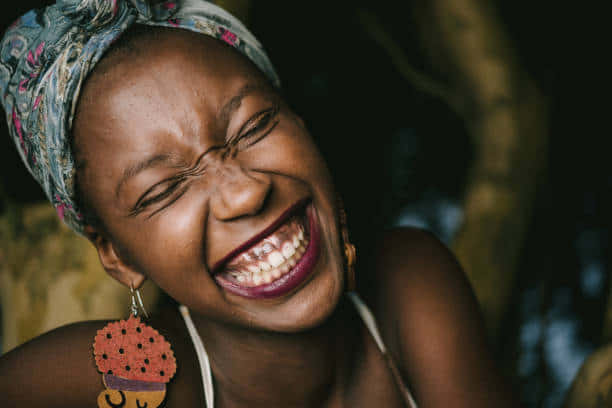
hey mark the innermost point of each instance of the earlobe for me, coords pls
(114, 265)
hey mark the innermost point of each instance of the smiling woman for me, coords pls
(176, 155)
(213, 168)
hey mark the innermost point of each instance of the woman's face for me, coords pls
(208, 184)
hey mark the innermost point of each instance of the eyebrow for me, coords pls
(225, 113)
(234, 103)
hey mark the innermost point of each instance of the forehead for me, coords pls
(156, 96)
(175, 76)
(173, 68)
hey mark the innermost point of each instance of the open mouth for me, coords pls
(277, 260)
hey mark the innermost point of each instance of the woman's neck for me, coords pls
(258, 368)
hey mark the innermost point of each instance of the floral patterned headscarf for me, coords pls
(46, 55)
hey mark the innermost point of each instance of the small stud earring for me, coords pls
(350, 253)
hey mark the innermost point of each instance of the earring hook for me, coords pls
(134, 307)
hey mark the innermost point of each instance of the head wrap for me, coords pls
(46, 55)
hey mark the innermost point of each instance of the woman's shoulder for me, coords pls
(417, 276)
(413, 260)
(54, 369)
(431, 322)
(411, 274)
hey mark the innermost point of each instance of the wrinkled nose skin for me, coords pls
(239, 192)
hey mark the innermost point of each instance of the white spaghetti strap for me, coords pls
(370, 322)
(365, 314)
(209, 391)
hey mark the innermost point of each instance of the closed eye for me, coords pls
(170, 189)
(177, 195)
(156, 193)
(255, 129)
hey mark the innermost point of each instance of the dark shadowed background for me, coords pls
(476, 120)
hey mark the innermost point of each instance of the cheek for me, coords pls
(169, 248)
(290, 151)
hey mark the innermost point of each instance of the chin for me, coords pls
(311, 306)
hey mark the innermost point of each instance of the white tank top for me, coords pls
(365, 314)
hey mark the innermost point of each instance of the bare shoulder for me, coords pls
(416, 279)
(413, 268)
(55, 369)
(412, 261)
(431, 321)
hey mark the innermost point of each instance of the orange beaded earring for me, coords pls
(135, 360)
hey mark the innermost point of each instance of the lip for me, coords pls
(288, 213)
(291, 279)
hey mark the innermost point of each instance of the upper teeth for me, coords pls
(276, 258)
(275, 262)
(288, 250)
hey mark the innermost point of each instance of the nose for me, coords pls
(239, 192)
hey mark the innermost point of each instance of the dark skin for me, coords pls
(207, 184)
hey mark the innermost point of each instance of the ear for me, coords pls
(114, 265)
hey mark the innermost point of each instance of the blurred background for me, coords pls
(474, 119)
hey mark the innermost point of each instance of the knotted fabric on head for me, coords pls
(46, 55)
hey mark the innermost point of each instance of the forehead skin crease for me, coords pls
(169, 81)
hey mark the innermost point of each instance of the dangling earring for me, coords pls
(135, 360)
(350, 253)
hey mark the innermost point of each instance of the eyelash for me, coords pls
(258, 122)
(172, 201)
(161, 195)
(143, 202)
